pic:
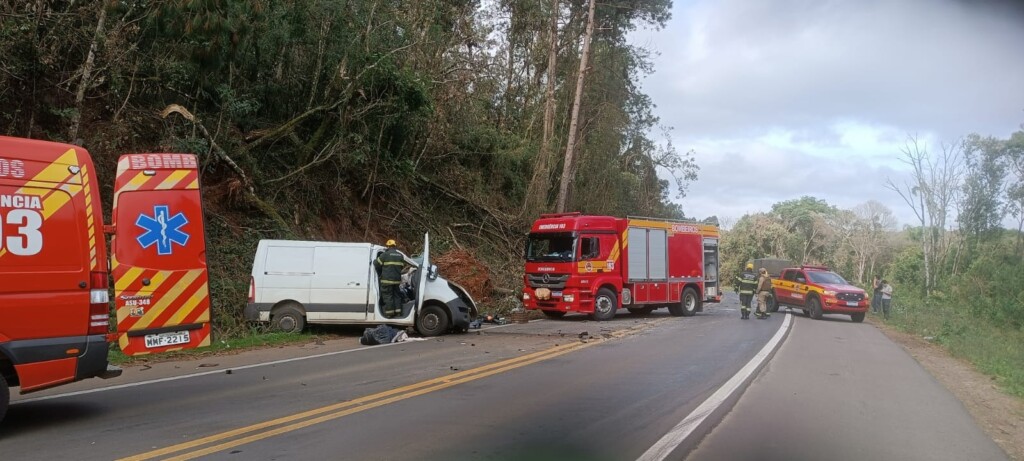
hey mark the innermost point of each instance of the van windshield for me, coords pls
(551, 247)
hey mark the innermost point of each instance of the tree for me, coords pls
(567, 163)
(930, 193)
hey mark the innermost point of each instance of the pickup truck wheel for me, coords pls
(857, 318)
(773, 305)
(605, 304)
(287, 319)
(433, 321)
(554, 314)
(5, 397)
(640, 310)
(815, 310)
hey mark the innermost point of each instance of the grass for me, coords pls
(256, 340)
(994, 350)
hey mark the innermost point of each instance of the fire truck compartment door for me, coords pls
(637, 252)
(159, 266)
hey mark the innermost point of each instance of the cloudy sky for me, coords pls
(786, 98)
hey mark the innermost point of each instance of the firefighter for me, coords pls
(389, 265)
(746, 283)
(764, 292)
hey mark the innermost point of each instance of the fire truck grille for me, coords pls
(552, 281)
(850, 296)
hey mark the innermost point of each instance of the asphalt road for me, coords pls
(839, 391)
(833, 390)
(534, 391)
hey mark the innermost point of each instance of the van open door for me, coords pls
(159, 255)
(421, 284)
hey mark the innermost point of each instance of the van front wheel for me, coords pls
(433, 321)
(287, 319)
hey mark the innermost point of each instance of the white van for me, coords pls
(299, 282)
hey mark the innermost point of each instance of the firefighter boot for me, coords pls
(745, 314)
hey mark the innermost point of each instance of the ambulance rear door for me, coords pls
(161, 287)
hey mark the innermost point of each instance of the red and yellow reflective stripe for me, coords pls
(55, 176)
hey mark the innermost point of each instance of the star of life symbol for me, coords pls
(162, 229)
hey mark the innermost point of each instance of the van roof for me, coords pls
(310, 243)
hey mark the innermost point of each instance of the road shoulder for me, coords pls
(1001, 416)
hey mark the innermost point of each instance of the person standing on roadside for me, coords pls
(876, 294)
(746, 284)
(886, 298)
(764, 293)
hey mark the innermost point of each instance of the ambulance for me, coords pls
(55, 272)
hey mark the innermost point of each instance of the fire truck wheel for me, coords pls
(288, 319)
(433, 321)
(605, 304)
(640, 310)
(5, 397)
(688, 304)
(815, 310)
(554, 314)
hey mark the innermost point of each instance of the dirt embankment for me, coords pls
(999, 414)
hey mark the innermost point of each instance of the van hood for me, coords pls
(464, 294)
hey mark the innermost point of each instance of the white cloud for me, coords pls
(796, 97)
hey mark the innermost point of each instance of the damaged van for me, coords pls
(298, 282)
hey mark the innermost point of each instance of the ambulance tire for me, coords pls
(433, 321)
(287, 319)
(605, 305)
(5, 397)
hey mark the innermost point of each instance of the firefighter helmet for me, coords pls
(750, 266)
(390, 243)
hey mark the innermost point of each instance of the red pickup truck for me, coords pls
(817, 291)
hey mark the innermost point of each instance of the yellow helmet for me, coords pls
(750, 266)
(391, 243)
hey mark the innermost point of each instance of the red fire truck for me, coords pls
(54, 270)
(596, 264)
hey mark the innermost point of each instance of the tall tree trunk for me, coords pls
(90, 62)
(537, 193)
(567, 167)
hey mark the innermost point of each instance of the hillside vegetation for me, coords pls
(353, 119)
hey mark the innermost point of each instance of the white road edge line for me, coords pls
(207, 373)
(664, 447)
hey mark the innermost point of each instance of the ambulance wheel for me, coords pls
(688, 304)
(5, 397)
(640, 310)
(554, 314)
(605, 304)
(287, 319)
(433, 321)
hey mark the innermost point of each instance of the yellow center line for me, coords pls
(363, 403)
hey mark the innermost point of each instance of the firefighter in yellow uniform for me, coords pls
(389, 265)
(746, 284)
(764, 293)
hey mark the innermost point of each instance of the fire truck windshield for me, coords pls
(551, 247)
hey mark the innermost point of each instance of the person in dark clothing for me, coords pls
(746, 284)
(389, 265)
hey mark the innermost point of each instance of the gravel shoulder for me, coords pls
(999, 414)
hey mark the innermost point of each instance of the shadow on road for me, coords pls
(29, 417)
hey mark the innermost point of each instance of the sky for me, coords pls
(784, 98)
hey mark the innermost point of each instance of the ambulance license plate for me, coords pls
(167, 339)
(851, 303)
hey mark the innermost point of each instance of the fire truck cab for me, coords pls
(597, 264)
